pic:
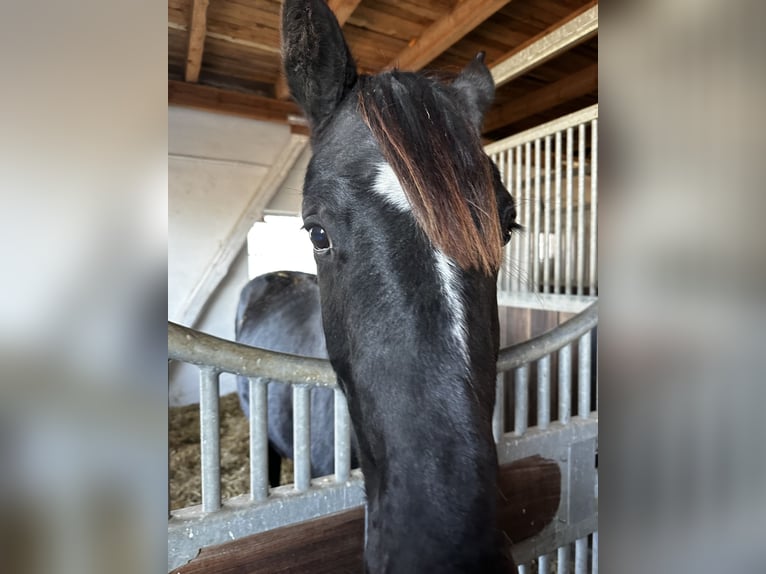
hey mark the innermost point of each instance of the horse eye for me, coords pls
(319, 238)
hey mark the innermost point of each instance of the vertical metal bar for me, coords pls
(568, 255)
(543, 564)
(498, 417)
(302, 436)
(536, 225)
(523, 569)
(342, 438)
(580, 208)
(594, 559)
(521, 399)
(547, 216)
(519, 212)
(563, 560)
(581, 556)
(499, 160)
(583, 376)
(259, 440)
(593, 207)
(557, 218)
(565, 383)
(544, 392)
(210, 443)
(508, 257)
(528, 235)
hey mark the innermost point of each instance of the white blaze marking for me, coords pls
(387, 186)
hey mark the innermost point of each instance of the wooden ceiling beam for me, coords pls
(573, 86)
(446, 31)
(572, 30)
(234, 103)
(197, 33)
(342, 10)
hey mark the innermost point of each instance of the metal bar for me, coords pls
(507, 252)
(523, 569)
(580, 208)
(594, 560)
(195, 347)
(547, 217)
(544, 392)
(563, 560)
(553, 126)
(517, 280)
(581, 556)
(568, 270)
(533, 349)
(499, 160)
(593, 207)
(302, 437)
(342, 438)
(498, 417)
(565, 383)
(210, 443)
(259, 440)
(527, 215)
(536, 223)
(543, 564)
(557, 219)
(521, 399)
(191, 346)
(583, 376)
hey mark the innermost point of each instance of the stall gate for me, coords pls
(564, 426)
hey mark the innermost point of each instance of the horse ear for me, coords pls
(476, 88)
(318, 66)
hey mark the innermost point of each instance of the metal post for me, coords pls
(342, 438)
(547, 216)
(583, 376)
(527, 216)
(302, 436)
(536, 223)
(517, 280)
(521, 399)
(557, 219)
(593, 207)
(543, 564)
(565, 383)
(523, 569)
(581, 556)
(580, 209)
(568, 255)
(210, 444)
(594, 560)
(259, 440)
(563, 560)
(508, 179)
(544, 392)
(498, 417)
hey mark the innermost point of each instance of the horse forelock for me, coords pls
(437, 157)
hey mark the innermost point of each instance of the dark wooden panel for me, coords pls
(529, 495)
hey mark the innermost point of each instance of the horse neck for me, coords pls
(430, 467)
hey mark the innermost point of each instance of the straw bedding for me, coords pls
(184, 453)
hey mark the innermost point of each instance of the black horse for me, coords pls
(407, 216)
(280, 312)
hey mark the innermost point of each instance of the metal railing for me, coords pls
(542, 167)
(265, 508)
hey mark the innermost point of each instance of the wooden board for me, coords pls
(530, 491)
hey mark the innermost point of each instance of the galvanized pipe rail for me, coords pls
(197, 348)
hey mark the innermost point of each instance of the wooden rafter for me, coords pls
(233, 103)
(197, 33)
(342, 10)
(579, 26)
(446, 31)
(568, 88)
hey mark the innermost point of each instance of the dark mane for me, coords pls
(437, 156)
